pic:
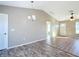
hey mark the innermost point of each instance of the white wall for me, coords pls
(21, 30)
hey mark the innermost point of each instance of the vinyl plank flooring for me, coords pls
(60, 47)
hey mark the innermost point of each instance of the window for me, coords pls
(77, 27)
(55, 30)
(48, 23)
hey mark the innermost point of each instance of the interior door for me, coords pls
(3, 31)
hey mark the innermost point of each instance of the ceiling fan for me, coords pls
(72, 17)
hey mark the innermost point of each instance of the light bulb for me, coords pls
(33, 17)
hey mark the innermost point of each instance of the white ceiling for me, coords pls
(57, 9)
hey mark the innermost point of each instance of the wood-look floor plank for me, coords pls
(59, 47)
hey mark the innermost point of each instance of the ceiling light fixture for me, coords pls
(32, 17)
(31, 2)
(72, 15)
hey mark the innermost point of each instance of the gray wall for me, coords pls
(25, 30)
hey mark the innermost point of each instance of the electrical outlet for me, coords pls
(24, 38)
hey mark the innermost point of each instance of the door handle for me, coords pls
(5, 33)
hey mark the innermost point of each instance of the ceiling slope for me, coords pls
(57, 9)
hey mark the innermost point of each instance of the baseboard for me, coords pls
(62, 37)
(25, 44)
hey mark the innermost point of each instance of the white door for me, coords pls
(3, 31)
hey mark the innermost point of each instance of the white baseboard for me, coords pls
(62, 37)
(25, 44)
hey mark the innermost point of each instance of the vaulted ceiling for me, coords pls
(57, 9)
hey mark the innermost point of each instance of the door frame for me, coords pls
(6, 41)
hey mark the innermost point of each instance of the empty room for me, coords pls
(39, 28)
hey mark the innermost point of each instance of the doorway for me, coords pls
(48, 23)
(3, 31)
(63, 29)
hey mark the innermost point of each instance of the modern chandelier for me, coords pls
(32, 17)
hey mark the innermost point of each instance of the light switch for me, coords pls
(12, 29)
